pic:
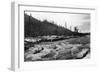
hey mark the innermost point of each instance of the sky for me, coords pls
(82, 21)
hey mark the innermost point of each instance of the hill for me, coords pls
(34, 27)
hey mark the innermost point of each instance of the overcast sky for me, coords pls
(82, 21)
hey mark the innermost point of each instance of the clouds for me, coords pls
(86, 17)
(85, 26)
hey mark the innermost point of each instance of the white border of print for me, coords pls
(17, 60)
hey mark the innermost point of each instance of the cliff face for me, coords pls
(35, 27)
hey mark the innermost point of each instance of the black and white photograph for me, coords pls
(50, 35)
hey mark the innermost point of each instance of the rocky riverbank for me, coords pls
(73, 48)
